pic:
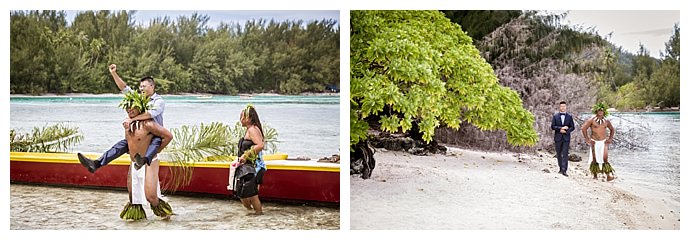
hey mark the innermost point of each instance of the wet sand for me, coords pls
(48, 207)
(478, 190)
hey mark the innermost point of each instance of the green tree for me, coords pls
(480, 23)
(664, 86)
(643, 67)
(609, 62)
(183, 55)
(424, 69)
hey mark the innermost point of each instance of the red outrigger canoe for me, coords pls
(285, 180)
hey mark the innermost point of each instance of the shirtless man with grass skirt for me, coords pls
(598, 141)
(139, 135)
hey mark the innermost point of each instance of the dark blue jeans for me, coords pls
(562, 155)
(121, 148)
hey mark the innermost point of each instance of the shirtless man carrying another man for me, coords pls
(139, 135)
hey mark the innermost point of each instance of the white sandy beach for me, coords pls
(477, 190)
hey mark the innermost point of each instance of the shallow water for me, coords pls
(48, 207)
(306, 125)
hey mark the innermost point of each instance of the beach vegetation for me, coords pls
(418, 68)
(59, 137)
(51, 54)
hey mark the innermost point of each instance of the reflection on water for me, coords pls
(42, 207)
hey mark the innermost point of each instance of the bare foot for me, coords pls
(609, 178)
(255, 214)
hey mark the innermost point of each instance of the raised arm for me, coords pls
(160, 131)
(113, 71)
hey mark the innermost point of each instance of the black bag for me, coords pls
(245, 183)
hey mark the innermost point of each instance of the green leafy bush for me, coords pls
(426, 70)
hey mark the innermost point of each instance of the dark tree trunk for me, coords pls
(362, 159)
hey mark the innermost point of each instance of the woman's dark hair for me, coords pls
(250, 112)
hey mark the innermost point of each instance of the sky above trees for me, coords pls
(629, 28)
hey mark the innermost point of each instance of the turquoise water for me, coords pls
(185, 99)
(307, 125)
(656, 167)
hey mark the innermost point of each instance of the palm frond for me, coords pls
(212, 142)
(50, 138)
(237, 132)
(194, 144)
(270, 139)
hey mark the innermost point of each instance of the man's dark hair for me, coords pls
(562, 102)
(148, 79)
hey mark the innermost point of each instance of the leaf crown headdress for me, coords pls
(134, 99)
(600, 106)
(245, 111)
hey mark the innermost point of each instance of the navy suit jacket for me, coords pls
(556, 126)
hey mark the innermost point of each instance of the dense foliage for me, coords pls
(418, 67)
(183, 55)
(478, 24)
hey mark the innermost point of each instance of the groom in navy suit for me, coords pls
(562, 124)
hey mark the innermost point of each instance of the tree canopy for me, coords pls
(418, 66)
(48, 55)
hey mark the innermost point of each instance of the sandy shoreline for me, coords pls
(478, 190)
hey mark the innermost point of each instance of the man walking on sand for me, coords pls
(562, 124)
(599, 142)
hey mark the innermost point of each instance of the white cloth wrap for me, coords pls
(598, 151)
(138, 181)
